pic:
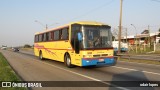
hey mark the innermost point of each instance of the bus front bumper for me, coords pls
(98, 61)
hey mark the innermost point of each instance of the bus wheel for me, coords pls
(67, 61)
(40, 55)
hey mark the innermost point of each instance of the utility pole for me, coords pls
(127, 39)
(46, 27)
(126, 36)
(135, 36)
(120, 28)
(149, 37)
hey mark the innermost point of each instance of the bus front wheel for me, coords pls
(40, 55)
(67, 61)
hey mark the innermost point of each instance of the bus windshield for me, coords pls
(95, 37)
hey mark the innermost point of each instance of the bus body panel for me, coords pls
(52, 50)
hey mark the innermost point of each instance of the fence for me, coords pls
(158, 47)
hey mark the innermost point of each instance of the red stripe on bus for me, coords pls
(53, 48)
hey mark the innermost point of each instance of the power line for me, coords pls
(156, 0)
(93, 10)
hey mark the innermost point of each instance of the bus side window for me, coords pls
(60, 34)
(50, 36)
(56, 35)
(44, 37)
(40, 38)
(47, 36)
(65, 34)
(36, 38)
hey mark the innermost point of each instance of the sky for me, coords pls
(18, 26)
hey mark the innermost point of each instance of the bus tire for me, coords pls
(41, 55)
(115, 61)
(67, 61)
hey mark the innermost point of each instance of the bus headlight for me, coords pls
(87, 61)
(111, 59)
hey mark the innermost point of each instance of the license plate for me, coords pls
(101, 60)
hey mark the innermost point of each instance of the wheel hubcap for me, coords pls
(40, 55)
(68, 61)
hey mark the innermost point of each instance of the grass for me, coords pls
(140, 50)
(27, 49)
(7, 74)
(156, 52)
(142, 61)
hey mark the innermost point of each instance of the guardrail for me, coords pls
(139, 57)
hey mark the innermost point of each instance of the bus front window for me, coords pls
(96, 37)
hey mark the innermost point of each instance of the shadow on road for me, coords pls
(130, 81)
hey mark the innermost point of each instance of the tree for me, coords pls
(159, 32)
(27, 46)
(145, 32)
(113, 38)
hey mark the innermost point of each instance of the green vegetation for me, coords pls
(157, 52)
(27, 46)
(27, 49)
(141, 50)
(7, 74)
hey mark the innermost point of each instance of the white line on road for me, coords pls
(91, 78)
(136, 70)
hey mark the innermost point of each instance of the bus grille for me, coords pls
(102, 55)
(96, 55)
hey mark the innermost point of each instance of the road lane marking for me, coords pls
(91, 78)
(137, 70)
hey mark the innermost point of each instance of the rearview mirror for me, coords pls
(79, 36)
(77, 41)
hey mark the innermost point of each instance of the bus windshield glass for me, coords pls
(96, 37)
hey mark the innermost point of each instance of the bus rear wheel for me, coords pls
(41, 55)
(67, 61)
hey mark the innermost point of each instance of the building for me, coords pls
(143, 38)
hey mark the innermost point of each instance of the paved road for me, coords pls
(29, 68)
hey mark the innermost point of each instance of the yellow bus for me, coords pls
(83, 43)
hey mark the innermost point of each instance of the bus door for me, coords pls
(77, 47)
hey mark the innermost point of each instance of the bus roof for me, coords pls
(79, 22)
(88, 23)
